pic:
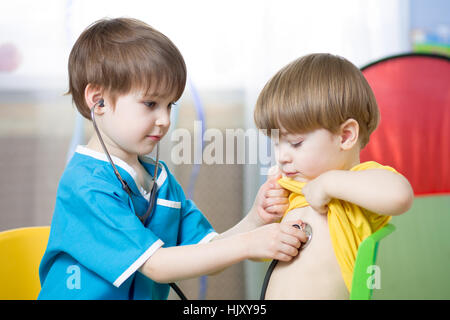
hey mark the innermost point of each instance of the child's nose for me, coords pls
(163, 118)
(283, 156)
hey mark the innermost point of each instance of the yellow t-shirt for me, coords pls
(348, 223)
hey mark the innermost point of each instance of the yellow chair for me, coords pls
(21, 251)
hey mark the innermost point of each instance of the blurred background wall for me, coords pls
(231, 49)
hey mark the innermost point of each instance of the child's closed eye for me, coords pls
(297, 144)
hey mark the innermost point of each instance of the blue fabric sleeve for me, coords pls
(194, 227)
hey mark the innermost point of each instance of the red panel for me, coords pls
(413, 95)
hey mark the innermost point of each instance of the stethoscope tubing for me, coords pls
(152, 199)
(274, 262)
(116, 172)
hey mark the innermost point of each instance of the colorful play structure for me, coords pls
(413, 95)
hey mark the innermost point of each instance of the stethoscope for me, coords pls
(306, 228)
(126, 188)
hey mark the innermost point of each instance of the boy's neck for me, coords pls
(94, 144)
(352, 160)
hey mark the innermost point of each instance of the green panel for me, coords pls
(365, 258)
(432, 48)
(415, 259)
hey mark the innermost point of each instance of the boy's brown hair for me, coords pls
(317, 91)
(123, 54)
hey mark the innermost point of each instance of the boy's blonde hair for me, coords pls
(120, 55)
(317, 91)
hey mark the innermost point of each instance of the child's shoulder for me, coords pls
(83, 171)
(372, 165)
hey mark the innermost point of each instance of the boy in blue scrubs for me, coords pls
(98, 247)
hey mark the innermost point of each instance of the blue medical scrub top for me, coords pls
(97, 243)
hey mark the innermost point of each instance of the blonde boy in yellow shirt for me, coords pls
(325, 112)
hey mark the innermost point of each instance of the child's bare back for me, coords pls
(314, 273)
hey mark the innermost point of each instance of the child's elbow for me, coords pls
(215, 273)
(151, 271)
(404, 199)
(158, 276)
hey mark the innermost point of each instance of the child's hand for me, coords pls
(316, 195)
(280, 241)
(272, 200)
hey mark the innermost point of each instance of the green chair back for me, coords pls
(365, 272)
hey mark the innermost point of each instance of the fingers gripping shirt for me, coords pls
(348, 223)
(96, 235)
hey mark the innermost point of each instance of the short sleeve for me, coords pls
(97, 227)
(194, 227)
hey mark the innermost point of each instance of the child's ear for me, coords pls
(92, 95)
(349, 133)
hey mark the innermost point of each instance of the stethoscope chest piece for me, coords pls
(306, 228)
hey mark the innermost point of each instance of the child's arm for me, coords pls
(273, 241)
(377, 190)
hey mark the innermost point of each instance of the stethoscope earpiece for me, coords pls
(101, 103)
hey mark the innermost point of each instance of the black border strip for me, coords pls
(403, 55)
